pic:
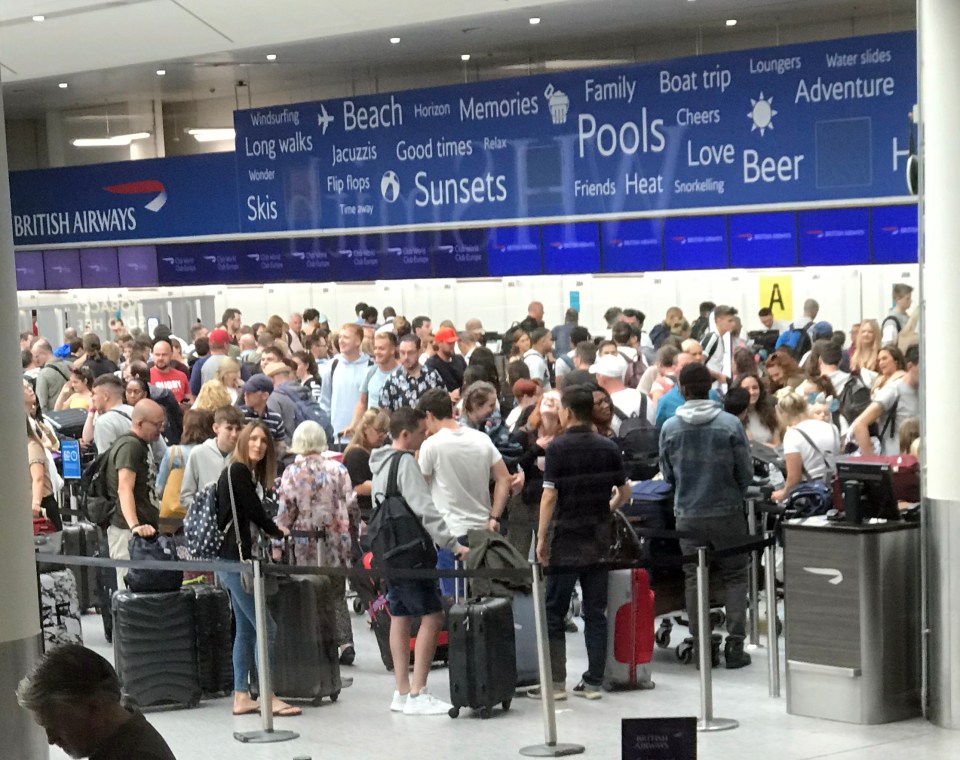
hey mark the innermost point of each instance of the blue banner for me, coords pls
(128, 200)
(791, 124)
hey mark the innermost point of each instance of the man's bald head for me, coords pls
(147, 420)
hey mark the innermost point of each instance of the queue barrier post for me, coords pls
(266, 735)
(753, 633)
(550, 746)
(773, 637)
(707, 721)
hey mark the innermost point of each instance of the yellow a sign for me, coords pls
(776, 294)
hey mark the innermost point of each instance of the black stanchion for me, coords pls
(266, 735)
(753, 636)
(550, 746)
(707, 721)
(773, 637)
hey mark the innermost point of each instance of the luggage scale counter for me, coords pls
(852, 620)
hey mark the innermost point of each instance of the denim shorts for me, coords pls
(414, 598)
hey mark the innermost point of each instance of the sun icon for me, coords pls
(761, 114)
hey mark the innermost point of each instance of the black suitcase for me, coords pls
(307, 658)
(483, 657)
(155, 650)
(82, 539)
(67, 423)
(214, 625)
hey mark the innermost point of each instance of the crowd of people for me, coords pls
(537, 437)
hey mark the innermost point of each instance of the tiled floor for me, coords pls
(360, 725)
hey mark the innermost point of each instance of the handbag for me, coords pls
(170, 506)
(270, 582)
(625, 545)
(162, 548)
(812, 497)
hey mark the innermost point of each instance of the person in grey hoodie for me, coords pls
(208, 459)
(705, 456)
(413, 598)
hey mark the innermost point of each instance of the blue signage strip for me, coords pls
(834, 237)
(514, 251)
(70, 459)
(797, 123)
(128, 200)
(459, 253)
(571, 248)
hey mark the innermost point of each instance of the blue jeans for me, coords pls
(245, 642)
(560, 587)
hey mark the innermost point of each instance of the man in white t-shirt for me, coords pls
(627, 402)
(458, 464)
(714, 344)
(892, 406)
(898, 317)
(536, 357)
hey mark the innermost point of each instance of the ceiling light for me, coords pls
(63, 85)
(535, 20)
(212, 134)
(731, 22)
(39, 18)
(161, 72)
(465, 57)
(271, 56)
(109, 142)
(394, 40)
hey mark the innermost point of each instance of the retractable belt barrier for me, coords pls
(551, 747)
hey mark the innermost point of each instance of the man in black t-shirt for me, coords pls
(74, 696)
(448, 365)
(581, 470)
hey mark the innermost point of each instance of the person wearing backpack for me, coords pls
(627, 338)
(890, 408)
(408, 599)
(53, 375)
(898, 317)
(207, 460)
(714, 345)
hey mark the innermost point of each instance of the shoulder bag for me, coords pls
(270, 583)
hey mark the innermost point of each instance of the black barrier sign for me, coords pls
(659, 739)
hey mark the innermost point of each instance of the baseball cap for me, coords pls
(446, 335)
(219, 337)
(822, 330)
(258, 384)
(275, 368)
(611, 365)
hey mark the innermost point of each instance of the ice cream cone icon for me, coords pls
(559, 104)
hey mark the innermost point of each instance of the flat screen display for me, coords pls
(99, 268)
(138, 266)
(834, 236)
(61, 269)
(763, 240)
(459, 253)
(29, 266)
(634, 245)
(406, 256)
(571, 248)
(695, 242)
(895, 235)
(513, 251)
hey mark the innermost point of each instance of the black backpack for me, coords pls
(398, 539)
(97, 504)
(854, 399)
(639, 443)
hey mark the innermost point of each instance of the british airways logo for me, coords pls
(92, 221)
(151, 186)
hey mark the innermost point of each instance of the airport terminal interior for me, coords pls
(171, 162)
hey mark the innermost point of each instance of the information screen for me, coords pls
(895, 235)
(29, 265)
(632, 246)
(571, 248)
(459, 253)
(99, 268)
(834, 237)
(138, 266)
(763, 240)
(698, 242)
(513, 251)
(61, 269)
(406, 255)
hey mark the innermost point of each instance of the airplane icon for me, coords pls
(211, 259)
(299, 255)
(169, 260)
(445, 248)
(324, 119)
(254, 256)
(395, 251)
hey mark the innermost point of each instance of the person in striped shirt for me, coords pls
(256, 391)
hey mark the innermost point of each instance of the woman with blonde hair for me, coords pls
(212, 396)
(316, 495)
(868, 347)
(810, 446)
(370, 434)
(228, 373)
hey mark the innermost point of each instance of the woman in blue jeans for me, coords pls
(254, 464)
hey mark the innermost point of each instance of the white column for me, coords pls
(20, 620)
(939, 58)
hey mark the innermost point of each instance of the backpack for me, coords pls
(307, 408)
(97, 505)
(201, 526)
(398, 539)
(566, 360)
(890, 319)
(639, 443)
(635, 370)
(854, 399)
(797, 339)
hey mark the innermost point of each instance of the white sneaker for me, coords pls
(426, 704)
(399, 702)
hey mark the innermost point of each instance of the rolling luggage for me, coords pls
(59, 609)
(483, 664)
(155, 650)
(630, 622)
(82, 539)
(67, 423)
(306, 657)
(525, 634)
(214, 626)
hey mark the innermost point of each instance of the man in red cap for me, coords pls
(205, 368)
(448, 365)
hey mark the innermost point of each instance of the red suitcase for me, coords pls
(630, 630)
(904, 471)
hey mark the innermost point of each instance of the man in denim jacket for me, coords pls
(705, 456)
